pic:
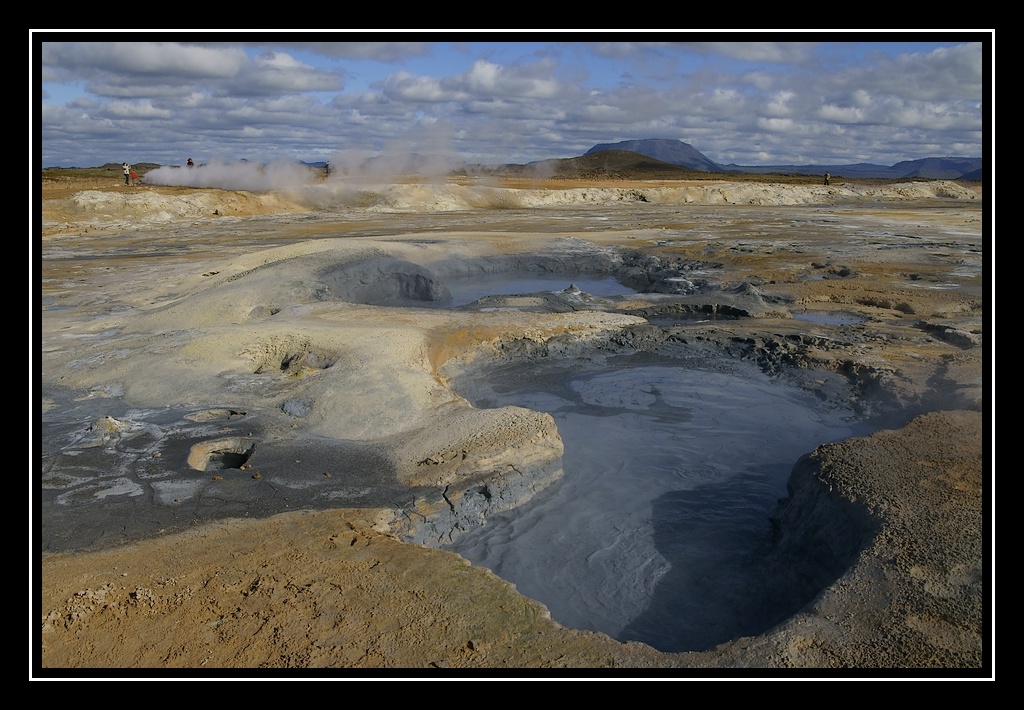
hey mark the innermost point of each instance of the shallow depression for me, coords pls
(389, 281)
(657, 531)
(828, 318)
(468, 289)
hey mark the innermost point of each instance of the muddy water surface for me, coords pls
(655, 531)
(470, 289)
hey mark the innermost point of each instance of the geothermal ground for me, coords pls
(255, 428)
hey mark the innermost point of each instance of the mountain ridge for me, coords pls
(677, 152)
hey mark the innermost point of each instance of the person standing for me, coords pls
(827, 178)
(127, 173)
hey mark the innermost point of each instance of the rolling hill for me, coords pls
(678, 153)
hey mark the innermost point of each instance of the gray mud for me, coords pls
(658, 531)
(104, 487)
(114, 473)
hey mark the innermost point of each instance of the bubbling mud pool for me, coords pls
(657, 531)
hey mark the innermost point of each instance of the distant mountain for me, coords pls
(612, 163)
(679, 153)
(138, 166)
(666, 150)
(928, 168)
(946, 168)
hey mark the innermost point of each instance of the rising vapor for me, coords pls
(256, 177)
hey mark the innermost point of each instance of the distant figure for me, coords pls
(327, 168)
(827, 178)
(135, 177)
(190, 163)
(127, 172)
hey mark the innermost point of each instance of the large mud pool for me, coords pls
(656, 531)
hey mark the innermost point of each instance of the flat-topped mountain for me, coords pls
(669, 151)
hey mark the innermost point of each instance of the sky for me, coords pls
(768, 98)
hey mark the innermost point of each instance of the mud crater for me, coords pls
(389, 281)
(290, 357)
(220, 454)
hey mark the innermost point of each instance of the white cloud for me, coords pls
(778, 125)
(778, 104)
(377, 51)
(276, 72)
(840, 114)
(748, 51)
(134, 109)
(404, 86)
(789, 52)
(725, 99)
(488, 79)
(87, 59)
(605, 114)
(744, 102)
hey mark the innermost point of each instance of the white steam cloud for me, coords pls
(254, 177)
(349, 167)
